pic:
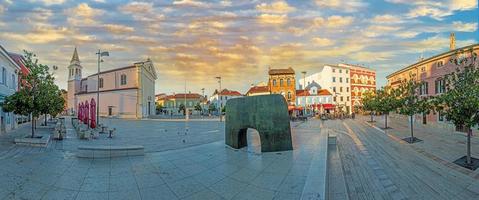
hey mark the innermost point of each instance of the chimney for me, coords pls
(452, 41)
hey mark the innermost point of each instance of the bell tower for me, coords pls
(74, 81)
(452, 41)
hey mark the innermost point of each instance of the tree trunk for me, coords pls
(412, 130)
(45, 119)
(33, 127)
(385, 121)
(468, 156)
(372, 120)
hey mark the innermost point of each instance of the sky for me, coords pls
(192, 41)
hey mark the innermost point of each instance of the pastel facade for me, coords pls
(431, 72)
(362, 79)
(8, 86)
(283, 81)
(315, 100)
(126, 92)
(219, 99)
(335, 79)
(171, 103)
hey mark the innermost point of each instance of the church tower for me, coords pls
(452, 41)
(74, 79)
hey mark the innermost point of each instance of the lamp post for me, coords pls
(304, 79)
(100, 54)
(219, 94)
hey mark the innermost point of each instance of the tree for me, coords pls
(38, 93)
(412, 103)
(370, 102)
(223, 110)
(198, 107)
(159, 107)
(387, 101)
(460, 102)
(182, 108)
(212, 108)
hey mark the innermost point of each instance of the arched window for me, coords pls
(280, 82)
(123, 79)
(100, 83)
(274, 82)
(288, 82)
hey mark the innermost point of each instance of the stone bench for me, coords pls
(103, 151)
(35, 142)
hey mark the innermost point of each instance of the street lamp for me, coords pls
(219, 94)
(100, 54)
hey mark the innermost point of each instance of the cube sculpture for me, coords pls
(268, 114)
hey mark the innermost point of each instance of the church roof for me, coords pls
(75, 56)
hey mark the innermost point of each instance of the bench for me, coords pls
(103, 151)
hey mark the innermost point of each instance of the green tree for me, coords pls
(460, 104)
(223, 110)
(38, 93)
(198, 107)
(370, 103)
(212, 108)
(387, 101)
(182, 108)
(159, 107)
(411, 103)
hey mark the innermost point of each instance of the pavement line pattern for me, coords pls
(384, 179)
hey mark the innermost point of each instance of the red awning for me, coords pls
(328, 106)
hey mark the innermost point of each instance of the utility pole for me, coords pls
(219, 95)
(304, 79)
(100, 54)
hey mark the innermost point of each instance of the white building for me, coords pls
(219, 99)
(336, 80)
(314, 100)
(126, 92)
(8, 86)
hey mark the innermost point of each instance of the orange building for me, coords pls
(282, 81)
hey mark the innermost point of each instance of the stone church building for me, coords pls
(126, 92)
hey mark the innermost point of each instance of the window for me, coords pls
(100, 83)
(281, 82)
(423, 90)
(341, 98)
(439, 64)
(347, 89)
(347, 71)
(340, 71)
(340, 79)
(123, 79)
(288, 82)
(334, 79)
(334, 89)
(4, 76)
(340, 89)
(423, 69)
(347, 98)
(334, 99)
(13, 81)
(334, 70)
(289, 95)
(440, 86)
(274, 82)
(347, 80)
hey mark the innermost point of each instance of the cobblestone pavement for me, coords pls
(378, 166)
(204, 171)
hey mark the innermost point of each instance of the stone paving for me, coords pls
(205, 171)
(375, 166)
(366, 163)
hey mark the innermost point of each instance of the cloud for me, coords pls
(464, 27)
(387, 19)
(83, 15)
(434, 43)
(190, 3)
(51, 2)
(334, 21)
(272, 19)
(322, 42)
(436, 9)
(378, 30)
(137, 7)
(278, 7)
(406, 34)
(2, 9)
(119, 29)
(39, 35)
(342, 5)
(463, 4)
(367, 56)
